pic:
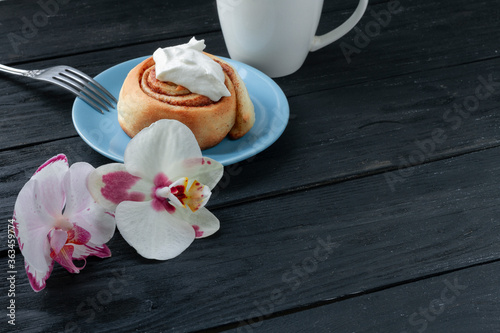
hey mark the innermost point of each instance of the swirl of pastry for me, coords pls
(144, 99)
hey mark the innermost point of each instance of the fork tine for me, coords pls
(94, 82)
(90, 102)
(87, 87)
(80, 91)
(77, 92)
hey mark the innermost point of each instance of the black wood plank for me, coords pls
(422, 35)
(39, 109)
(464, 301)
(53, 28)
(379, 126)
(81, 26)
(445, 218)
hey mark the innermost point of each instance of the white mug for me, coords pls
(275, 36)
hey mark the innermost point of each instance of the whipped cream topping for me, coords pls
(186, 65)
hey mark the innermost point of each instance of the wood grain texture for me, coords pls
(92, 25)
(463, 301)
(33, 29)
(442, 220)
(422, 36)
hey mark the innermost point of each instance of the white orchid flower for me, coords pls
(159, 192)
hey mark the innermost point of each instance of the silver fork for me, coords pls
(73, 80)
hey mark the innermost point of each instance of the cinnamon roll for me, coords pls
(144, 99)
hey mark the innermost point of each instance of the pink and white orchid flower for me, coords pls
(160, 191)
(56, 219)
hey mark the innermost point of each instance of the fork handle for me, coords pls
(16, 71)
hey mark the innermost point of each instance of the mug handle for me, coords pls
(328, 38)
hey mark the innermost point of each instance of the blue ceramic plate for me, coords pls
(104, 134)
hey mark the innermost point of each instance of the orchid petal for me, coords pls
(75, 187)
(197, 196)
(100, 224)
(57, 163)
(159, 148)
(33, 224)
(111, 184)
(49, 177)
(78, 236)
(206, 170)
(82, 210)
(83, 251)
(36, 277)
(203, 221)
(154, 234)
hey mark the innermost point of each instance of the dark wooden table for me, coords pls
(377, 210)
